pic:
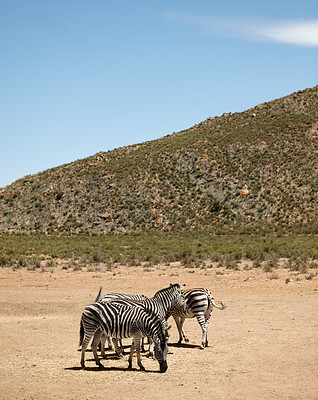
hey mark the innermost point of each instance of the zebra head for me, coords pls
(171, 296)
(177, 295)
(161, 351)
(180, 300)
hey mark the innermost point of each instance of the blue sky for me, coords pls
(78, 77)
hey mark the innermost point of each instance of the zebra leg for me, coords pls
(118, 347)
(132, 350)
(122, 351)
(206, 333)
(143, 345)
(95, 343)
(186, 339)
(151, 347)
(179, 322)
(102, 345)
(207, 322)
(204, 326)
(110, 345)
(143, 341)
(137, 346)
(87, 337)
(85, 342)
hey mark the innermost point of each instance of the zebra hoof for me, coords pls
(142, 368)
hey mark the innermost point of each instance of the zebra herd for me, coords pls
(118, 316)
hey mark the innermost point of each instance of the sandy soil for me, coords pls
(262, 346)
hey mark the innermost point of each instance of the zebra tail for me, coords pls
(98, 295)
(81, 334)
(222, 306)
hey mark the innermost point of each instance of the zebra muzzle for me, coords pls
(163, 366)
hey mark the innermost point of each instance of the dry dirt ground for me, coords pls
(262, 346)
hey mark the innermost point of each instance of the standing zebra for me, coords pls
(199, 304)
(159, 305)
(115, 296)
(120, 321)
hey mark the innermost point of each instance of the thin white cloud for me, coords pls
(301, 33)
(294, 32)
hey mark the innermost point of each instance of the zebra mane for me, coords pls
(172, 286)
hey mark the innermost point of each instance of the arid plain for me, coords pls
(262, 346)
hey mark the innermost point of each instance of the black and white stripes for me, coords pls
(159, 305)
(110, 297)
(115, 296)
(199, 304)
(122, 316)
(120, 321)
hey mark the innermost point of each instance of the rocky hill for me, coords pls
(237, 172)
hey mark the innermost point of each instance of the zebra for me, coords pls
(120, 321)
(159, 305)
(199, 304)
(115, 296)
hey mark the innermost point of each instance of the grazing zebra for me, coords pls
(159, 305)
(199, 304)
(119, 321)
(115, 296)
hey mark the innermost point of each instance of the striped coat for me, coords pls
(199, 304)
(119, 322)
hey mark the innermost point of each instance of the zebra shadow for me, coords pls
(185, 345)
(109, 356)
(89, 350)
(105, 369)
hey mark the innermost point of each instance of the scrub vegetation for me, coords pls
(202, 249)
(253, 172)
